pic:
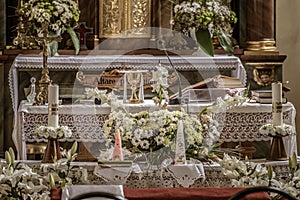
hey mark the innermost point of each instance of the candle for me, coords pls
(277, 103)
(118, 154)
(180, 157)
(53, 94)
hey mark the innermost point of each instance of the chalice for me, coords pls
(134, 78)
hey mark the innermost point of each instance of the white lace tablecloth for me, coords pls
(186, 175)
(183, 175)
(86, 121)
(162, 178)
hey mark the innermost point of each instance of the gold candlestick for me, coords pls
(42, 96)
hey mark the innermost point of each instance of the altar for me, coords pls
(65, 71)
(240, 124)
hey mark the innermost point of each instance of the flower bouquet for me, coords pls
(98, 96)
(52, 151)
(277, 150)
(244, 173)
(160, 84)
(279, 131)
(208, 18)
(50, 132)
(57, 15)
(19, 181)
(147, 132)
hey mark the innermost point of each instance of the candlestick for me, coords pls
(277, 103)
(53, 94)
(180, 157)
(118, 154)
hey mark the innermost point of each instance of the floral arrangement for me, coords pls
(247, 174)
(57, 15)
(148, 132)
(226, 103)
(244, 173)
(151, 131)
(272, 130)
(208, 18)
(95, 93)
(62, 173)
(160, 84)
(49, 132)
(19, 181)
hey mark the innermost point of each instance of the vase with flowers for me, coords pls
(53, 134)
(56, 16)
(206, 18)
(152, 132)
(277, 150)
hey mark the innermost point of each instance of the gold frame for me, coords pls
(119, 18)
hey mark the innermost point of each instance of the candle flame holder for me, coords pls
(42, 96)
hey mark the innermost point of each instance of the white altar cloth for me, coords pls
(86, 121)
(103, 62)
(161, 178)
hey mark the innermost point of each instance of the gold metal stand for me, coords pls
(42, 96)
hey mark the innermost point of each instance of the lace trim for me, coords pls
(163, 179)
(85, 128)
(88, 127)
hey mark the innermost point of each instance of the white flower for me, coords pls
(272, 130)
(160, 82)
(212, 14)
(53, 132)
(152, 130)
(144, 144)
(38, 11)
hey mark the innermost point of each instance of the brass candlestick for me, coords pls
(42, 96)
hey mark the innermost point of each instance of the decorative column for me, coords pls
(3, 25)
(260, 26)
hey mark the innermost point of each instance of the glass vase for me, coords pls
(198, 51)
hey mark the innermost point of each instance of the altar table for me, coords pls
(239, 124)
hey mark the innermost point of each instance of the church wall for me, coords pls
(288, 42)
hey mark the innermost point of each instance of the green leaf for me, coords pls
(53, 48)
(225, 42)
(205, 41)
(75, 39)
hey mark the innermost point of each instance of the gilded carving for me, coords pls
(110, 17)
(124, 18)
(264, 76)
(140, 16)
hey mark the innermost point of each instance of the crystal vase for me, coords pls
(277, 150)
(52, 149)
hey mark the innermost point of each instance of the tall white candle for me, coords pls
(53, 95)
(277, 103)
